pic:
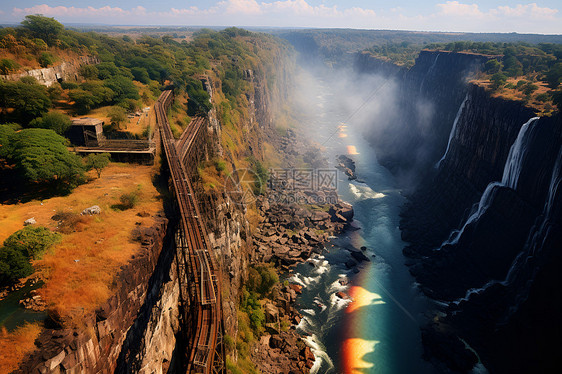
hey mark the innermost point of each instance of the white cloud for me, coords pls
(447, 16)
(454, 8)
(63, 11)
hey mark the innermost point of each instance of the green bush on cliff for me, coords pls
(21, 247)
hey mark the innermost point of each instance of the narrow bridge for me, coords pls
(199, 277)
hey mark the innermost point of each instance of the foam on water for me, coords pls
(336, 286)
(319, 352)
(338, 303)
(365, 192)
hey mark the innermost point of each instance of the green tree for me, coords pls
(140, 74)
(56, 121)
(23, 101)
(492, 66)
(199, 99)
(498, 80)
(529, 88)
(32, 241)
(83, 100)
(46, 59)
(22, 246)
(97, 161)
(123, 88)
(43, 27)
(554, 75)
(41, 156)
(13, 266)
(6, 133)
(557, 99)
(512, 66)
(89, 71)
(118, 115)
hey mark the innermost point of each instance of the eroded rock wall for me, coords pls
(106, 334)
(67, 71)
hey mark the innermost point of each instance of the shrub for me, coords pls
(22, 246)
(117, 115)
(220, 165)
(69, 85)
(97, 161)
(543, 97)
(7, 66)
(127, 201)
(56, 121)
(13, 266)
(498, 80)
(32, 241)
(46, 59)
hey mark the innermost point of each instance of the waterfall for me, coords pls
(453, 130)
(513, 165)
(539, 230)
(485, 201)
(429, 71)
(511, 172)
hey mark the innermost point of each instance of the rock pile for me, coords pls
(347, 165)
(282, 351)
(290, 233)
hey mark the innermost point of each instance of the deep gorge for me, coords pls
(482, 216)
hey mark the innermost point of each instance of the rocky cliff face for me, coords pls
(484, 222)
(67, 71)
(428, 97)
(138, 319)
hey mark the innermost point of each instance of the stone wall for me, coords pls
(67, 71)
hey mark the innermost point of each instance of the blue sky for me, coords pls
(540, 16)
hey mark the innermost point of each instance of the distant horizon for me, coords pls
(542, 17)
(250, 28)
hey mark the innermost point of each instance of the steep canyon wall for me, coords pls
(483, 221)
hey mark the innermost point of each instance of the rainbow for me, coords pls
(354, 348)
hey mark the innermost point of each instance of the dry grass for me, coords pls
(542, 108)
(16, 345)
(79, 271)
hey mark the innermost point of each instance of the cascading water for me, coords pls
(539, 231)
(511, 172)
(453, 131)
(517, 152)
(429, 71)
(485, 201)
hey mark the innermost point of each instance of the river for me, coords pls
(377, 332)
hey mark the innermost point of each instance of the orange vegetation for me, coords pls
(15, 345)
(542, 108)
(79, 271)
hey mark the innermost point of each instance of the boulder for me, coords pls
(296, 287)
(271, 313)
(30, 221)
(91, 210)
(342, 295)
(359, 256)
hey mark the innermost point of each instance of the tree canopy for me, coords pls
(22, 246)
(23, 101)
(43, 27)
(56, 121)
(97, 161)
(41, 156)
